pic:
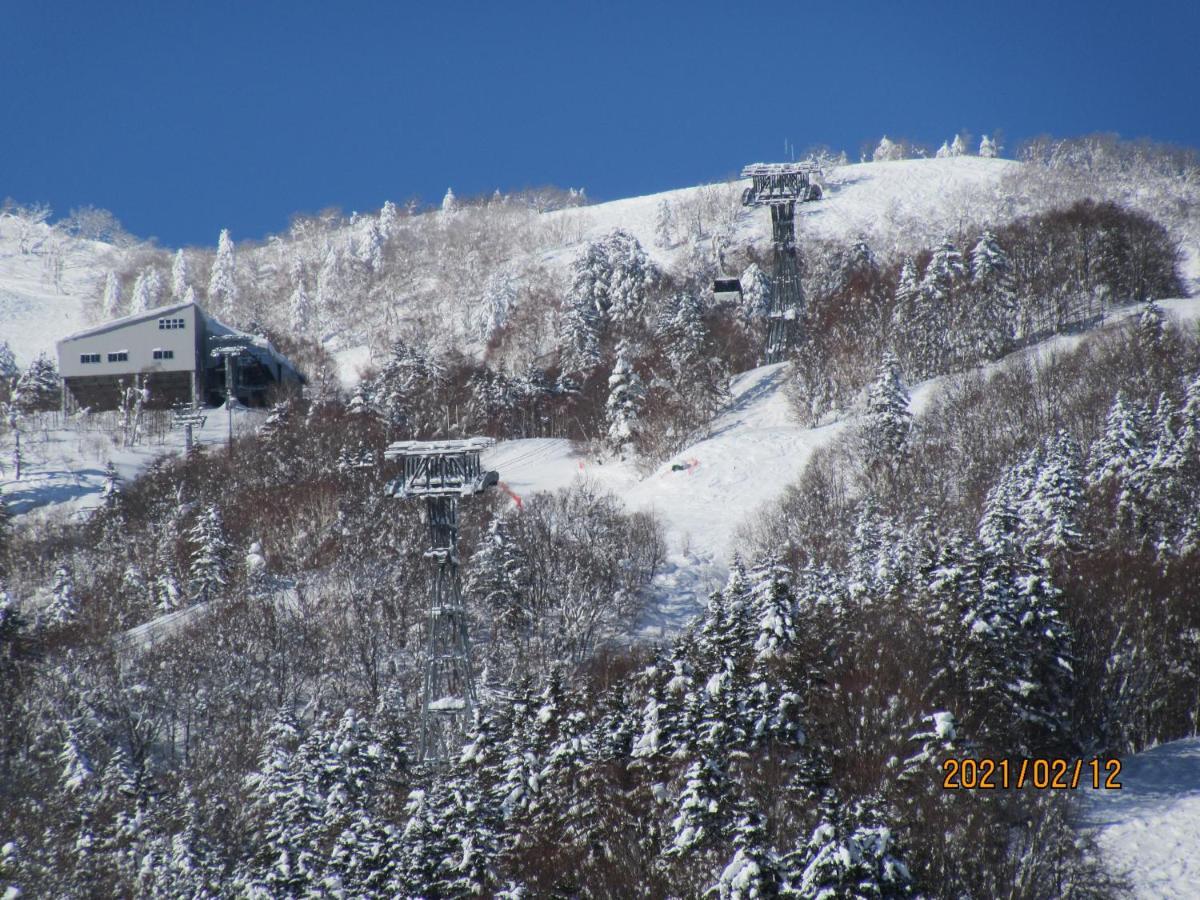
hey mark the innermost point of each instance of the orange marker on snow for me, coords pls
(516, 498)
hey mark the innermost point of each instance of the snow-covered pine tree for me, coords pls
(579, 338)
(773, 605)
(300, 310)
(943, 152)
(498, 300)
(989, 262)
(958, 147)
(145, 291)
(112, 484)
(945, 270)
(10, 871)
(165, 582)
(752, 873)
(346, 763)
(988, 148)
(329, 287)
(887, 421)
(613, 276)
(286, 817)
(222, 282)
(368, 248)
(182, 864)
(846, 860)
(626, 396)
(110, 303)
(987, 325)
(63, 608)
(756, 294)
(471, 816)
(9, 370)
(209, 571)
(1014, 650)
(887, 150)
(449, 201)
(909, 337)
(664, 225)
(1051, 510)
(12, 621)
(495, 576)
(180, 277)
(1151, 326)
(937, 740)
(1046, 648)
(405, 392)
(39, 387)
(1119, 456)
(728, 626)
(699, 820)
(389, 219)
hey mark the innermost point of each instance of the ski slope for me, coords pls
(36, 307)
(899, 203)
(1149, 830)
(752, 450)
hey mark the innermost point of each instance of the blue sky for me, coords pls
(183, 118)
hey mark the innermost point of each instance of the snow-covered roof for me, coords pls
(785, 168)
(155, 313)
(438, 448)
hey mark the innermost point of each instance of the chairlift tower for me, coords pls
(781, 186)
(230, 353)
(442, 472)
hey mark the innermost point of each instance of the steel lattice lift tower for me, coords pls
(781, 186)
(442, 472)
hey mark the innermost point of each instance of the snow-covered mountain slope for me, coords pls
(903, 202)
(1150, 828)
(753, 450)
(43, 290)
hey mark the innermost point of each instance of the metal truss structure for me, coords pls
(442, 472)
(781, 186)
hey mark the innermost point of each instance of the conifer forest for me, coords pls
(726, 621)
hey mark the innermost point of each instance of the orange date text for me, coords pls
(1039, 773)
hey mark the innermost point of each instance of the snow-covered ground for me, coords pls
(1149, 830)
(63, 462)
(753, 449)
(883, 199)
(36, 307)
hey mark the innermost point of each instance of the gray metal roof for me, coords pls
(156, 313)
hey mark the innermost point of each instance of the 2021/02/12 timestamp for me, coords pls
(1040, 773)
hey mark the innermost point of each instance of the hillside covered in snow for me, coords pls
(726, 620)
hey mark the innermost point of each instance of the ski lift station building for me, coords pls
(170, 351)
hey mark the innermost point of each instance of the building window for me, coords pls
(164, 354)
(171, 324)
(119, 356)
(86, 358)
